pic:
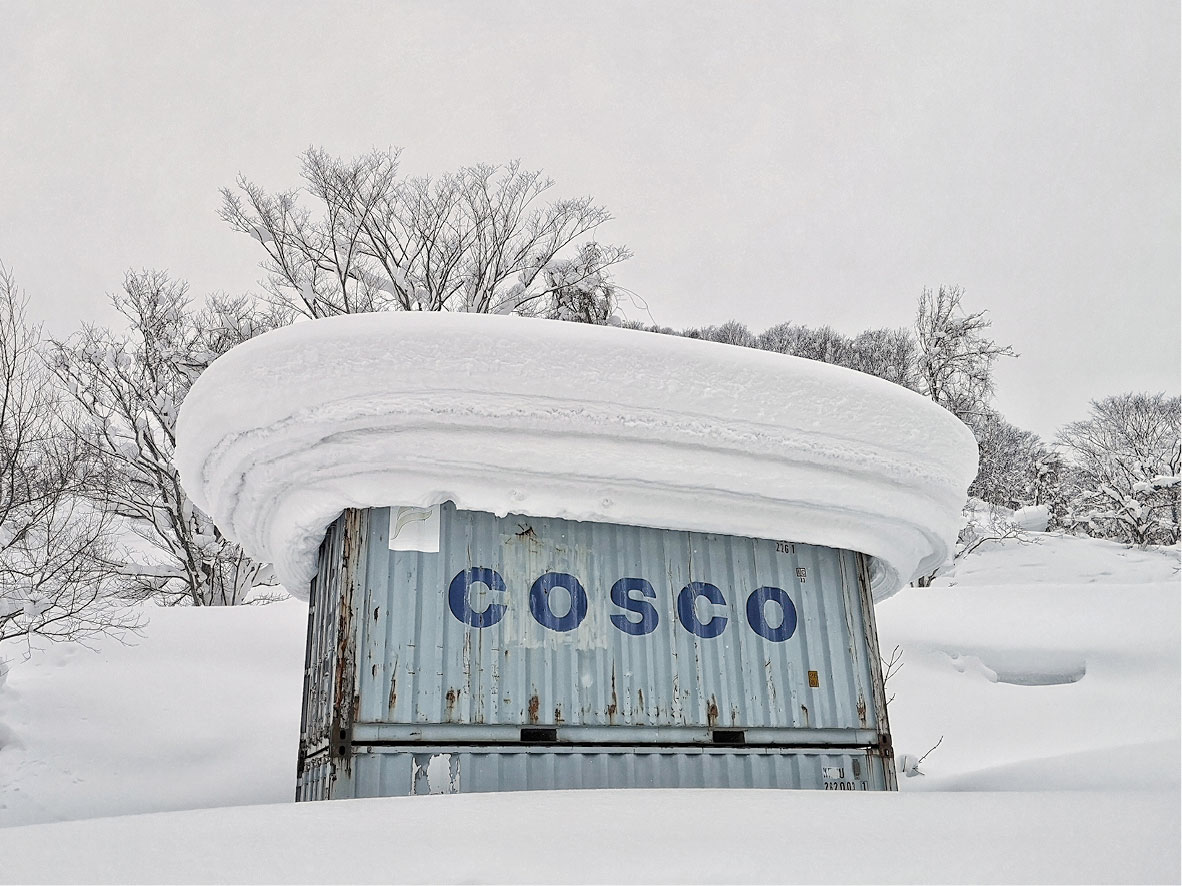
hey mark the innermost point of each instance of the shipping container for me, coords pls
(455, 651)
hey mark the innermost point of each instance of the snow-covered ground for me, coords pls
(1050, 669)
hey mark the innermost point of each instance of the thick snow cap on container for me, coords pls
(554, 419)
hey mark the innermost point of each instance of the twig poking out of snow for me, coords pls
(909, 763)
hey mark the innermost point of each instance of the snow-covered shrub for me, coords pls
(987, 522)
(1032, 518)
(1126, 459)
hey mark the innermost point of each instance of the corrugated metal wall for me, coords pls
(581, 634)
(456, 769)
(320, 658)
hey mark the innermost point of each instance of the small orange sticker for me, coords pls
(814, 680)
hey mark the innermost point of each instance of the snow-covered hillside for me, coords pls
(1051, 670)
(1051, 664)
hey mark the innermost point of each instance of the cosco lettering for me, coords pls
(770, 611)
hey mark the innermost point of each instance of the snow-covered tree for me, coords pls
(781, 338)
(823, 343)
(955, 357)
(887, 353)
(1126, 458)
(57, 579)
(1047, 484)
(641, 326)
(581, 290)
(129, 387)
(479, 239)
(732, 332)
(1008, 459)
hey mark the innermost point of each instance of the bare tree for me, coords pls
(478, 240)
(1126, 460)
(886, 353)
(129, 388)
(822, 343)
(57, 575)
(780, 338)
(955, 357)
(732, 332)
(1008, 465)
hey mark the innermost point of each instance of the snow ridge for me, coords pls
(514, 415)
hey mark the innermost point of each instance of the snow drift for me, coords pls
(1068, 780)
(552, 419)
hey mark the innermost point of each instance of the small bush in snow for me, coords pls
(1126, 460)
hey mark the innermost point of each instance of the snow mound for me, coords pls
(624, 836)
(552, 419)
(1033, 518)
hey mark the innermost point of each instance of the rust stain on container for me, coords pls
(614, 706)
(534, 704)
(345, 670)
(712, 712)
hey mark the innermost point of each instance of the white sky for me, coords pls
(818, 163)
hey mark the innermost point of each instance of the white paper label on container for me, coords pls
(415, 529)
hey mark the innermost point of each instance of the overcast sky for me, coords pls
(819, 163)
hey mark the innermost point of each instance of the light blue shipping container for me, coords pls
(456, 651)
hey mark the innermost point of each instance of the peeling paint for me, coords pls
(450, 713)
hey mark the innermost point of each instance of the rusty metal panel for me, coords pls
(402, 771)
(320, 656)
(315, 779)
(330, 679)
(418, 661)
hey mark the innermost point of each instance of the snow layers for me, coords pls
(551, 419)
